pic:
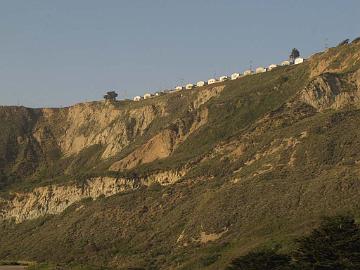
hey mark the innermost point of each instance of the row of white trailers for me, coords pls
(233, 76)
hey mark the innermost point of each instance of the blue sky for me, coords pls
(57, 53)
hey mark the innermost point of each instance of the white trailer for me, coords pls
(248, 72)
(260, 70)
(147, 96)
(223, 78)
(211, 81)
(271, 67)
(299, 60)
(235, 76)
(200, 83)
(285, 63)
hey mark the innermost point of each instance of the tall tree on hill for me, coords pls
(344, 42)
(111, 95)
(294, 54)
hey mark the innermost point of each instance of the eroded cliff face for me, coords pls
(54, 199)
(162, 144)
(335, 60)
(84, 125)
(89, 124)
(58, 134)
(329, 91)
(165, 142)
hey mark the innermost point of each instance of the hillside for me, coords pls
(187, 180)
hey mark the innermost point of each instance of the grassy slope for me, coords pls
(141, 228)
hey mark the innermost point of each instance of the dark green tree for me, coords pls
(334, 245)
(261, 260)
(294, 54)
(111, 95)
(344, 42)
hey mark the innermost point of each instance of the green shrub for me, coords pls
(261, 260)
(335, 245)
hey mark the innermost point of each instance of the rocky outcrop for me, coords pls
(328, 91)
(163, 143)
(89, 124)
(206, 94)
(54, 199)
(166, 141)
(106, 124)
(164, 178)
(335, 60)
(160, 146)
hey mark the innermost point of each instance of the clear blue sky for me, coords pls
(57, 53)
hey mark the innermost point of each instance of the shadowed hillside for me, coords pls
(188, 180)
